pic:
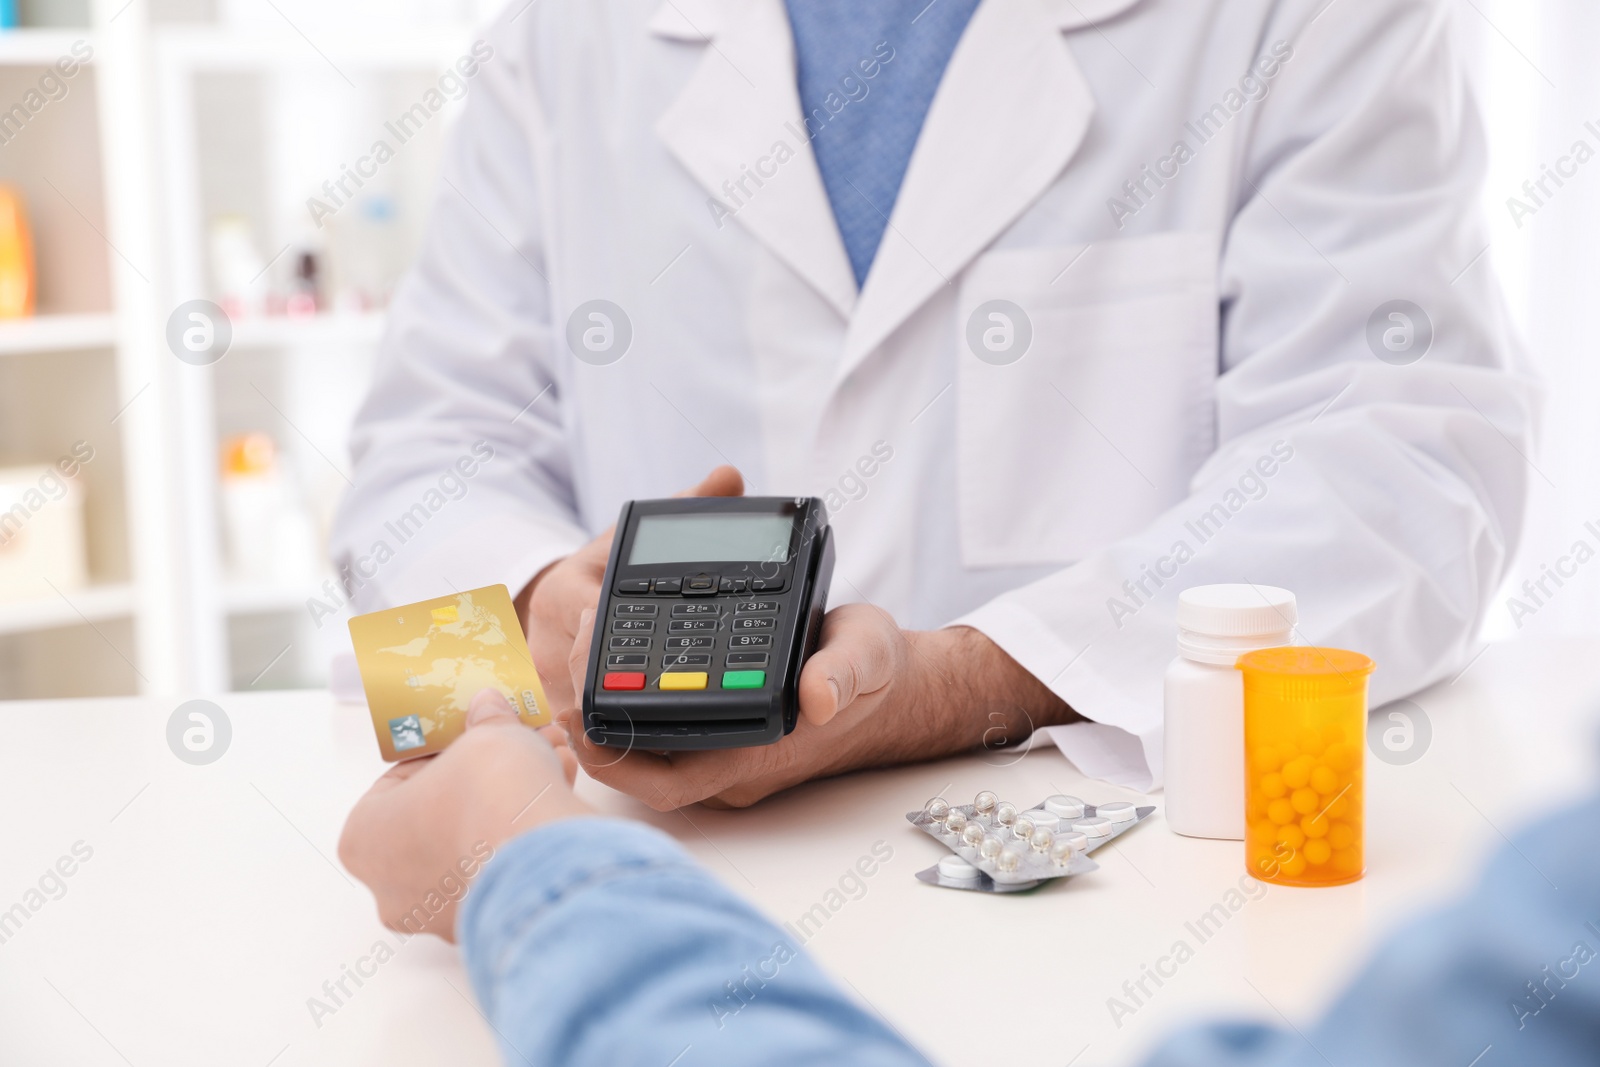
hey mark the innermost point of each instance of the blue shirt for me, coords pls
(867, 71)
(598, 942)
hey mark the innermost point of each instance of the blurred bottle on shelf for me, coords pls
(366, 253)
(305, 298)
(17, 277)
(237, 269)
(268, 537)
(8, 14)
(41, 534)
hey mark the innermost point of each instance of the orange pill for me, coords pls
(1324, 779)
(1341, 835)
(1294, 866)
(1340, 756)
(1297, 772)
(1317, 852)
(1305, 801)
(1315, 825)
(1291, 835)
(1281, 812)
(1340, 807)
(1273, 786)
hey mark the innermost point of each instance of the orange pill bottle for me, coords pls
(17, 280)
(1305, 719)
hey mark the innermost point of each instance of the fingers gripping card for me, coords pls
(422, 664)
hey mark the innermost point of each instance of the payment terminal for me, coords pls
(709, 608)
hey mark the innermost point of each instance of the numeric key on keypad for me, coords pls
(620, 643)
(689, 642)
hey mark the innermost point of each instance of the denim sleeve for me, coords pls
(600, 943)
(1507, 975)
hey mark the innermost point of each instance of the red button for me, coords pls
(623, 680)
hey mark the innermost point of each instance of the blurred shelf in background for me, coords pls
(76, 607)
(266, 598)
(38, 47)
(223, 48)
(335, 329)
(56, 333)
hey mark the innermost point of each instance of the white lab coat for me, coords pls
(1198, 375)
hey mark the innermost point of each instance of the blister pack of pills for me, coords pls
(1000, 848)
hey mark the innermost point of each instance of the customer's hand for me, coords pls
(550, 605)
(423, 830)
(872, 694)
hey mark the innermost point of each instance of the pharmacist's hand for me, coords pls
(551, 603)
(420, 834)
(857, 693)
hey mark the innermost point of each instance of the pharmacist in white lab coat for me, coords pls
(1169, 294)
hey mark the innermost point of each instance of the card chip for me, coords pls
(407, 733)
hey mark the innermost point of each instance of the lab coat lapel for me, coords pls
(1009, 114)
(728, 123)
(1076, 14)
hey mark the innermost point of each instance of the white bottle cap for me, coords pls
(1216, 623)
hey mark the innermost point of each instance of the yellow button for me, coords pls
(683, 680)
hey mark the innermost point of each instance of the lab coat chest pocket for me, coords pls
(1099, 423)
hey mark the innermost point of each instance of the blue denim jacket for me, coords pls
(600, 943)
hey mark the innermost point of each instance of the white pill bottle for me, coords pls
(1204, 702)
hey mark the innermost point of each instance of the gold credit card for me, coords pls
(422, 664)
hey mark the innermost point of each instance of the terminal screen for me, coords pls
(711, 538)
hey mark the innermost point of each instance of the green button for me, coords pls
(743, 679)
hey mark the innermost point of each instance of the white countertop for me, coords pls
(212, 906)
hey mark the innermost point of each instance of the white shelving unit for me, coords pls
(69, 373)
(123, 176)
(275, 362)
